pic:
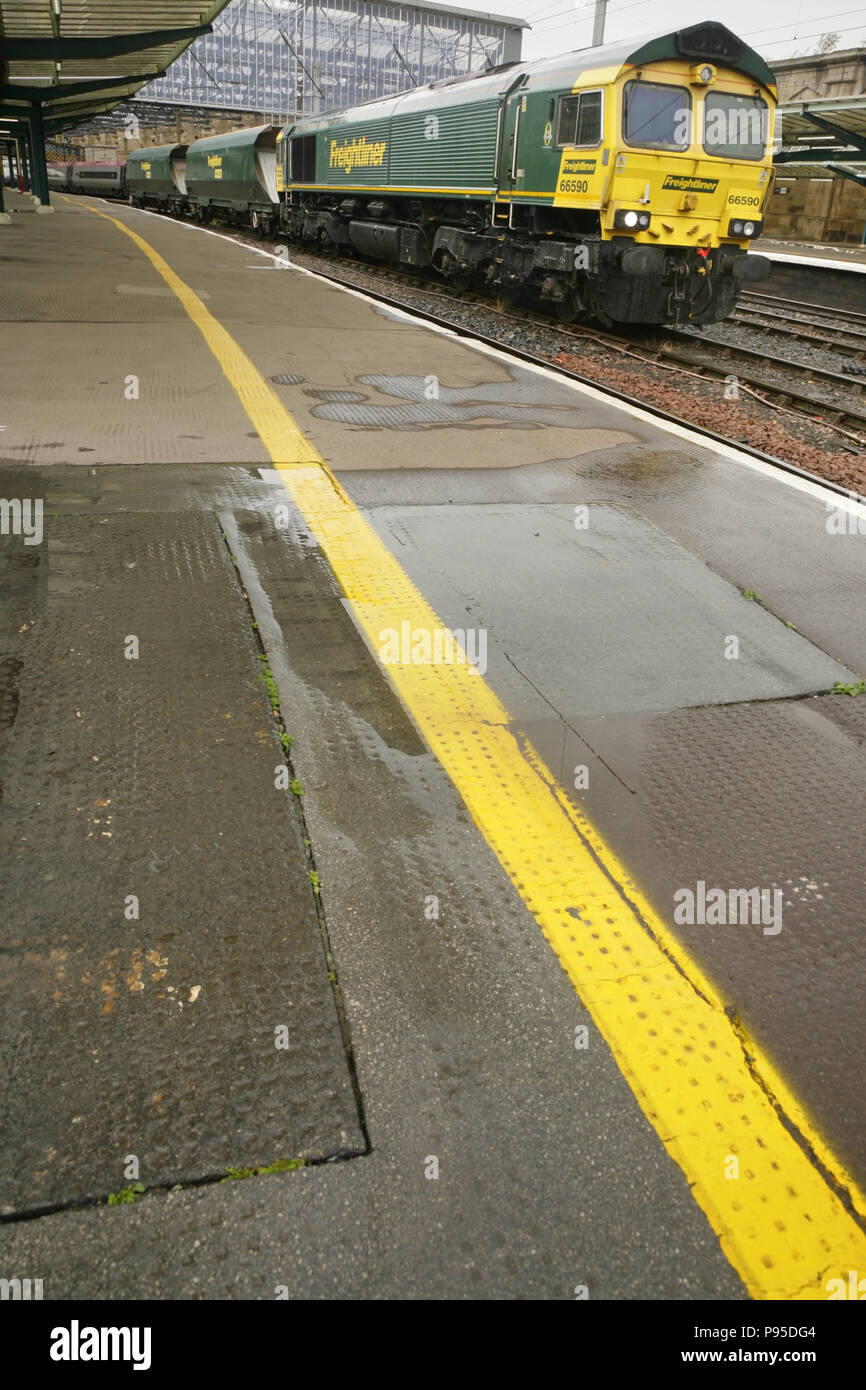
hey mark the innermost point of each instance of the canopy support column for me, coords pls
(37, 154)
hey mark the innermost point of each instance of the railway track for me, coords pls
(846, 416)
(757, 299)
(808, 323)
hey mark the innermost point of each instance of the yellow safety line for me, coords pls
(783, 1227)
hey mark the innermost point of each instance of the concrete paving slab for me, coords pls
(102, 364)
(631, 620)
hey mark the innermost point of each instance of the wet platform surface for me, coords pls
(607, 645)
(811, 250)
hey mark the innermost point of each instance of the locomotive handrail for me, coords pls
(514, 149)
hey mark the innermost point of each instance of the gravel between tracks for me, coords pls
(797, 439)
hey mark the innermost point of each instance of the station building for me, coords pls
(271, 60)
(820, 188)
(286, 58)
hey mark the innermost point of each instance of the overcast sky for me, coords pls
(776, 28)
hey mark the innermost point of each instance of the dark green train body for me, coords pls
(157, 177)
(626, 181)
(235, 173)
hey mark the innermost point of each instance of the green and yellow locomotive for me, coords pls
(624, 181)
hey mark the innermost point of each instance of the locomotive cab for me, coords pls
(663, 164)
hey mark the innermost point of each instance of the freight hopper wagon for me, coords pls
(234, 176)
(627, 181)
(156, 178)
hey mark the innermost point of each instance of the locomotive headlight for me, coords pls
(744, 229)
(631, 219)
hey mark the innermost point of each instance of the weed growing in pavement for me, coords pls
(296, 787)
(270, 685)
(751, 595)
(127, 1195)
(282, 1165)
(857, 688)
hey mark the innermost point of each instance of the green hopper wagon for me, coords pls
(235, 174)
(157, 178)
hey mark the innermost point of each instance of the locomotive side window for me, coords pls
(579, 121)
(656, 116)
(303, 157)
(735, 127)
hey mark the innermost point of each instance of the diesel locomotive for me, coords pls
(627, 181)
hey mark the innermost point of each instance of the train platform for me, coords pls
(432, 795)
(828, 276)
(850, 257)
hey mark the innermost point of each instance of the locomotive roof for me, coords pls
(707, 41)
(151, 151)
(246, 135)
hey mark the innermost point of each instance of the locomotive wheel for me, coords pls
(461, 282)
(567, 310)
(506, 298)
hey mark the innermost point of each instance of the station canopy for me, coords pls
(824, 138)
(77, 58)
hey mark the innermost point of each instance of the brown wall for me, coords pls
(815, 209)
(841, 74)
(181, 126)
